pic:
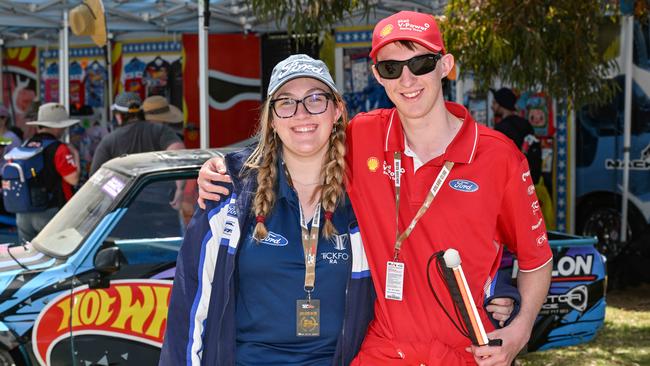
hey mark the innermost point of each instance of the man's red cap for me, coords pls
(407, 26)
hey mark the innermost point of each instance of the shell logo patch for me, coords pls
(131, 309)
(373, 164)
(388, 29)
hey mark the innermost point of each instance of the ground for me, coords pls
(624, 340)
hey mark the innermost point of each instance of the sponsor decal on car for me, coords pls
(131, 309)
(574, 299)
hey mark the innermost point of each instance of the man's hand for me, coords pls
(501, 308)
(514, 337)
(212, 170)
(533, 286)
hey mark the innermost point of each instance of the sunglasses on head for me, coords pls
(419, 65)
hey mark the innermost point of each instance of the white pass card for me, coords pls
(394, 280)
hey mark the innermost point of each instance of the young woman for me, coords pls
(275, 273)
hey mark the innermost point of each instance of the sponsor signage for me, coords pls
(131, 309)
(574, 299)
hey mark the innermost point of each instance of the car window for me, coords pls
(153, 227)
(65, 232)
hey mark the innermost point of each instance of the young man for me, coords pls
(61, 167)
(481, 202)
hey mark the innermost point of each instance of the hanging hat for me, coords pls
(157, 109)
(87, 19)
(53, 115)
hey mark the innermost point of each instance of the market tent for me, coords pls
(34, 20)
(45, 22)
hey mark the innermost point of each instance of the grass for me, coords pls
(624, 340)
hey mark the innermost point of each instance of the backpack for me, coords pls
(23, 188)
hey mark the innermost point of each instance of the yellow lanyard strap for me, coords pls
(310, 247)
(433, 191)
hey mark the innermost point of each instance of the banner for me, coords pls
(234, 87)
(20, 82)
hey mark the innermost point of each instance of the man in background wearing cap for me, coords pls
(426, 152)
(60, 171)
(517, 128)
(134, 134)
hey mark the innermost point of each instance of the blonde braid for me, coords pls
(333, 171)
(264, 159)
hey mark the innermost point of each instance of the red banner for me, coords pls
(234, 87)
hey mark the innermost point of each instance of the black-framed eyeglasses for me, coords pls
(419, 65)
(286, 107)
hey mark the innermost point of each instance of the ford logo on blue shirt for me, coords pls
(274, 239)
(463, 185)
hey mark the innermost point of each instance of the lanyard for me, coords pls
(433, 191)
(309, 246)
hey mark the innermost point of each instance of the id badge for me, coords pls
(308, 318)
(394, 280)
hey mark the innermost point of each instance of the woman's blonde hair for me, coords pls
(264, 160)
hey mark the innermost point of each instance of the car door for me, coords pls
(120, 317)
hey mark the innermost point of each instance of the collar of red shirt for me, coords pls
(461, 149)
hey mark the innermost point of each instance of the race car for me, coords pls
(93, 287)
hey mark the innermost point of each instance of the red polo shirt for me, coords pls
(485, 203)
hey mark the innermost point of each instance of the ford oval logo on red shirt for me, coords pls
(463, 185)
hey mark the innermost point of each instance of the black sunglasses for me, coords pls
(419, 65)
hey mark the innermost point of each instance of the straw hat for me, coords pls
(157, 109)
(87, 19)
(53, 115)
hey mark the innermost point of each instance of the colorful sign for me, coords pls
(20, 82)
(234, 87)
(131, 309)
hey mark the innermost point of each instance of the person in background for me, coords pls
(157, 109)
(9, 138)
(134, 134)
(61, 167)
(522, 133)
(518, 129)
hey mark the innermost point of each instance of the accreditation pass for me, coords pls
(394, 280)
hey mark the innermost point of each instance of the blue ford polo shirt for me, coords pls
(270, 278)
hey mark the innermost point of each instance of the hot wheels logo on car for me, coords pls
(130, 309)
